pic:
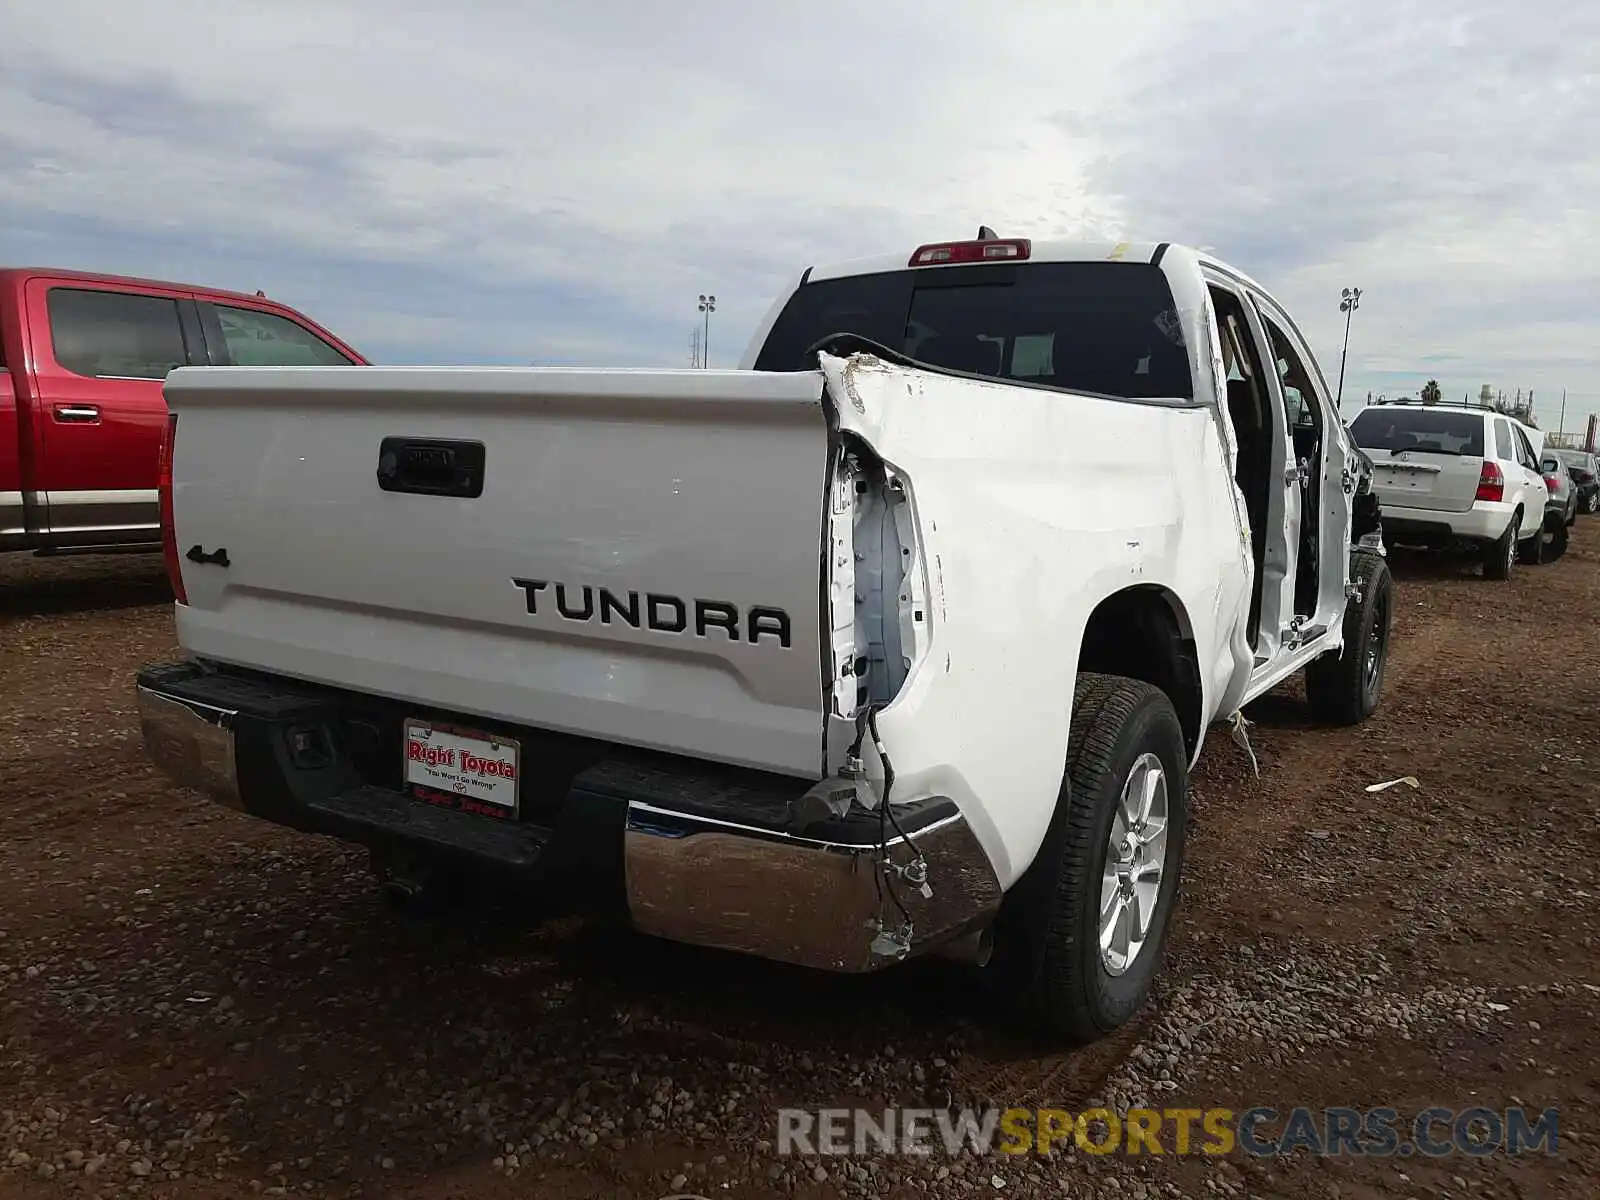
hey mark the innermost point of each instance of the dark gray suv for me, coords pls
(1584, 470)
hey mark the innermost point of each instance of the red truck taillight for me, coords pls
(169, 532)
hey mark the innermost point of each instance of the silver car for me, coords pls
(1561, 512)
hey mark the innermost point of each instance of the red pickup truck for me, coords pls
(82, 361)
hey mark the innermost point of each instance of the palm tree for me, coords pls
(1430, 392)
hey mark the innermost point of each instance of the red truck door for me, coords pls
(13, 526)
(101, 351)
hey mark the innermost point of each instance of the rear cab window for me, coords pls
(255, 338)
(1108, 329)
(114, 335)
(1392, 429)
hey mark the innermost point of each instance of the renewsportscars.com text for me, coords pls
(1260, 1132)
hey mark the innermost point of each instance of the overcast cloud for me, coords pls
(557, 181)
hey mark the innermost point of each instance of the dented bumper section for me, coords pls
(844, 902)
(192, 742)
(689, 851)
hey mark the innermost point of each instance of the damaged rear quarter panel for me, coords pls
(1033, 506)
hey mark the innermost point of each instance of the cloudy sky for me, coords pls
(557, 180)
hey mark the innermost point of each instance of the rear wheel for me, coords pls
(1080, 937)
(1591, 503)
(1501, 554)
(1343, 688)
(1553, 538)
(1530, 551)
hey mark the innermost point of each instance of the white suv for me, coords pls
(1451, 474)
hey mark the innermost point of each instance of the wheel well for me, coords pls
(1143, 632)
(1366, 516)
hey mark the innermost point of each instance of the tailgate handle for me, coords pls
(198, 554)
(430, 466)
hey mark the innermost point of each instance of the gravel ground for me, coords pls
(195, 1004)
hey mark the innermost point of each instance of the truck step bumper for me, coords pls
(194, 743)
(687, 851)
(228, 737)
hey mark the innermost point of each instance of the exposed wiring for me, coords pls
(883, 882)
(882, 873)
(886, 813)
(863, 716)
(888, 772)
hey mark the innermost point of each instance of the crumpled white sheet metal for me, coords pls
(1035, 506)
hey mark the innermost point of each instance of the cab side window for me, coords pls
(114, 335)
(1301, 412)
(262, 339)
(1296, 383)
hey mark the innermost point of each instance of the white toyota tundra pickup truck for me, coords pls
(900, 639)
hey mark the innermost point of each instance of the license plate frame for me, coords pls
(468, 772)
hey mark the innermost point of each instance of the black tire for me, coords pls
(1530, 551)
(1554, 538)
(1344, 688)
(1501, 554)
(1047, 965)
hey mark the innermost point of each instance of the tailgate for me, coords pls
(1426, 480)
(643, 564)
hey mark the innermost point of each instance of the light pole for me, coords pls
(708, 305)
(1349, 301)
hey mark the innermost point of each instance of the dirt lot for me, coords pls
(194, 1004)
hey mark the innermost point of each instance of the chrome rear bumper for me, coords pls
(841, 902)
(827, 905)
(193, 743)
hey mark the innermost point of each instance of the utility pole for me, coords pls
(1561, 426)
(1349, 301)
(708, 305)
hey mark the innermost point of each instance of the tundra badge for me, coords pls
(659, 612)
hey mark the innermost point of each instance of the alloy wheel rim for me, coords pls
(1376, 642)
(1136, 861)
